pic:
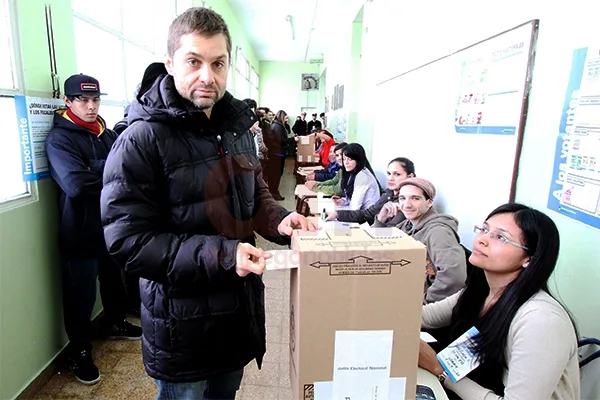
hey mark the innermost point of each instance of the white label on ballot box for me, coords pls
(304, 140)
(361, 365)
(323, 390)
(458, 359)
(299, 158)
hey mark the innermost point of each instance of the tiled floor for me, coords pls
(120, 362)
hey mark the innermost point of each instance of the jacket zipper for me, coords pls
(221, 149)
(94, 146)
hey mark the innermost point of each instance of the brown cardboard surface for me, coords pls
(306, 149)
(349, 279)
(306, 145)
(310, 158)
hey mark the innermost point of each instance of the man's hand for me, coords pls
(254, 128)
(389, 210)
(311, 176)
(331, 215)
(310, 184)
(295, 221)
(250, 259)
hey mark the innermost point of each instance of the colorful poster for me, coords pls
(575, 186)
(35, 118)
(491, 90)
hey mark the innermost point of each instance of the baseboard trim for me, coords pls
(37, 383)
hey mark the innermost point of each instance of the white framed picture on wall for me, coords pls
(310, 82)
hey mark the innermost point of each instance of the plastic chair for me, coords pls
(589, 368)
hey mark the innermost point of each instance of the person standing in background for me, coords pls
(276, 142)
(77, 148)
(299, 127)
(261, 149)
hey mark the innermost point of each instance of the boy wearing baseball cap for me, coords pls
(446, 270)
(77, 148)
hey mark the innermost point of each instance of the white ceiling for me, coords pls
(270, 35)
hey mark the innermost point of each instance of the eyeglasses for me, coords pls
(478, 229)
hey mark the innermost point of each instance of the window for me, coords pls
(11, 179)
(254, 84)
(242, 79)
(134, 34)
(246, 78)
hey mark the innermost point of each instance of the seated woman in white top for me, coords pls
(361, 188)
(527, 343)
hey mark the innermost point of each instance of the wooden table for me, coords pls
(316, 208)
(303, 191)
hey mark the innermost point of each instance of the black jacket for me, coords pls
(181, 191)
(277, 139)
(370, 213)
(299, 127)
(76, 158)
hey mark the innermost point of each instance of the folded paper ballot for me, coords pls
(381, 231)
(426, 337)
(282, 259)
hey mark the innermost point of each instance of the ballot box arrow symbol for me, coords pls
(319, 264)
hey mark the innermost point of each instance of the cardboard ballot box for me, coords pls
(306, 150)
(355, 313)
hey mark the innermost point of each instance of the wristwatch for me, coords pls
(442, 377)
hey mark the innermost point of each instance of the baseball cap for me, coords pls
(78, 85)
(423, 184)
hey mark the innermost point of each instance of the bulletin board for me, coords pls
(460, 119)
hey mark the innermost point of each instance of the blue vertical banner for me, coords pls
(575, 186)
(35, 118)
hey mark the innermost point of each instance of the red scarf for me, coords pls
(94, 127)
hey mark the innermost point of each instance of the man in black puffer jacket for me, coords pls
(183, 195)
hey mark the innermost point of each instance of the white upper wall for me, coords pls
(403, 36)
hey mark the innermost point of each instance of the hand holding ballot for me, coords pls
(250, 259)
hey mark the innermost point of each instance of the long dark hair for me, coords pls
(356, 152)
(541, 238)
(280, 117)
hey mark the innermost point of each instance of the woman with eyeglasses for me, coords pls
(527, 343)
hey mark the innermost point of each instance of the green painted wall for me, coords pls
(280, 87)
(31, 330)
(353, 98)
(238, 37)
